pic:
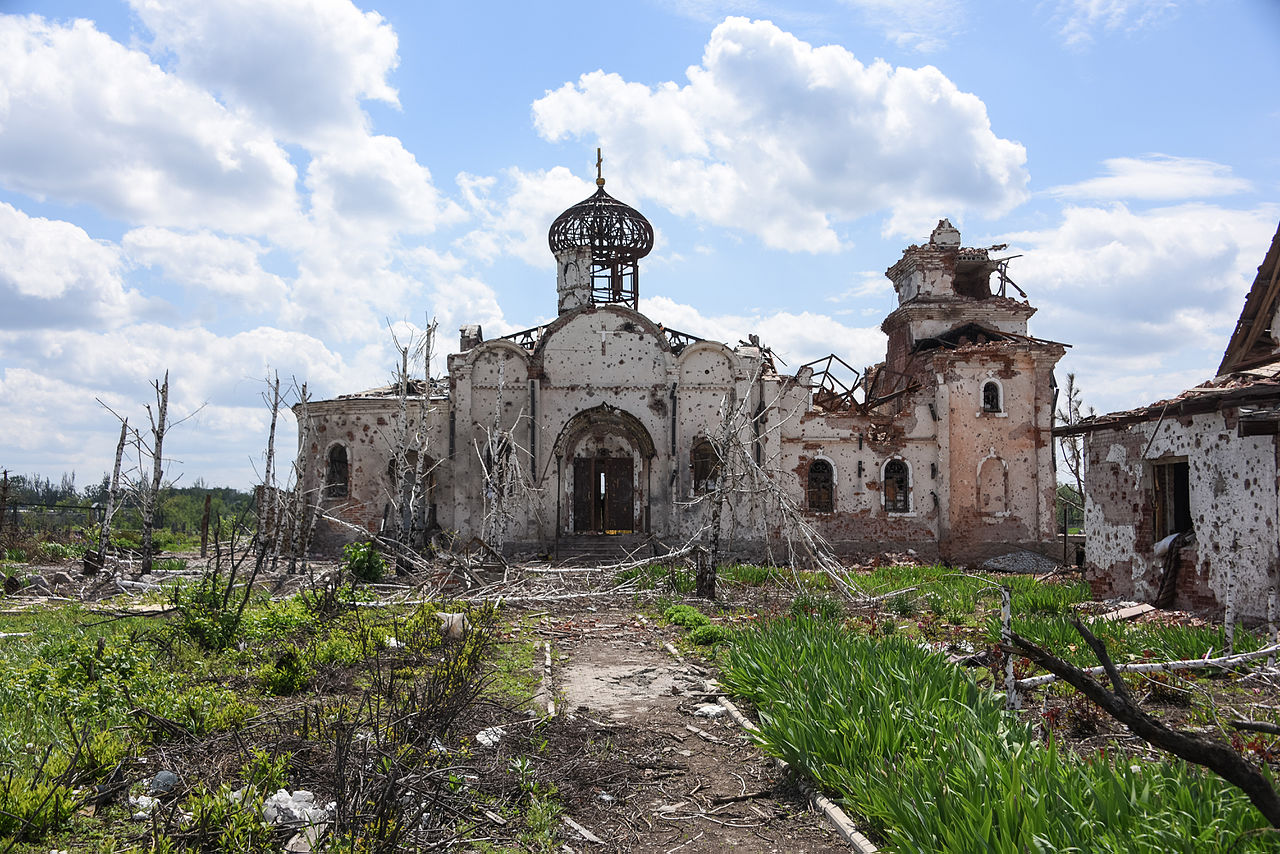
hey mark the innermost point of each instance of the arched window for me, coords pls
(897, 487)
(337, 478)
(991, 397)
(822, 482)
(706, 467)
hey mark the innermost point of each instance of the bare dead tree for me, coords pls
(149, 491)
(747, 484)
(4, 501)
(1070, 414)
(411, 467)
(508, 494)
(303, 511)
(97, 561)
(1217, 756)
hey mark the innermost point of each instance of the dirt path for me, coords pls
(669, 789)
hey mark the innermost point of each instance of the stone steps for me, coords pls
(585, 550)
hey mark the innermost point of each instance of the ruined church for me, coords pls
(604, 426)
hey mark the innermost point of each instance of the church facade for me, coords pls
(604, 423)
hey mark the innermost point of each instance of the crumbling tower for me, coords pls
(945, 298)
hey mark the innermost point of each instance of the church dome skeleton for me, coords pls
(614, 235)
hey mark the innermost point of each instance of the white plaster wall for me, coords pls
(1233, 500)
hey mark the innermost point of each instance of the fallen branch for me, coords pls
(1214, 755)
(1257, 726)
(747, 796)
(1160, 667)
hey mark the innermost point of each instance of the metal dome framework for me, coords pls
(618, 236)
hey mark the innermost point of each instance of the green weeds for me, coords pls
(363, 561)
(686, 615)
(932, 762)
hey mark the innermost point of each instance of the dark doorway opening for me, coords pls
(603, 498)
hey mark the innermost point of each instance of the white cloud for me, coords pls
(224, 268)
(1159, 177)
(517, 223)
(784, 140)
(300, 66)
(371, 188)
(1081, 19)
(51, 383)
(87, 120)
(1142, 293)
(53, 275)
(795, 337)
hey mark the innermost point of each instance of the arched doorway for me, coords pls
(604, 457)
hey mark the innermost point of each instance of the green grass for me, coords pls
(930, 761)
(679, 580)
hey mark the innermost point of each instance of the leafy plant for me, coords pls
(363, 561)
(287, 675)
(686, 615)
(709, 635)
(267, 772)
(32, 806)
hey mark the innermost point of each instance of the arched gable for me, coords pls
(706, 363)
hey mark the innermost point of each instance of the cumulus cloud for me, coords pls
(372, 188)
(1142, 292)
(1158, 177)
(225, 268)
(299, 66)
(50, 387)
(795, 337)
(516, 222)
(1082, 19)
(87, 120)
(785, 140)
(53, 275)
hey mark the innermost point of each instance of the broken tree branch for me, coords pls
(1214, 755)
(1162, 666)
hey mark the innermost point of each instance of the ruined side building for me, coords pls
(605, 423)
(1182, 497)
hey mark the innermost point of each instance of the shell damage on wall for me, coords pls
(600, 410)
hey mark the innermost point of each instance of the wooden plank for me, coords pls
(1130, 613)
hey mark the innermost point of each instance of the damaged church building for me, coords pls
(1182, 497)
(605, 427)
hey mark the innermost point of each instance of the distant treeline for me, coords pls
(180, 508)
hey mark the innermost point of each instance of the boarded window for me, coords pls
(822, 481)
(706, 467)
(1171, 497)
(337, 478)
(897, 487)
(991, 397)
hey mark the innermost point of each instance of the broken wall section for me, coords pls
(1132, 502)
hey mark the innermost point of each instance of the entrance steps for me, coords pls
(603, 549)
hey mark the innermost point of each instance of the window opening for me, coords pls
(821, 487)
(706, 467)
(897, 487)
(1171, 496)
(337, 480)
(991, 397)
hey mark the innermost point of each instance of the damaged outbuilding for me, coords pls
(604, 426)
(1182, 497)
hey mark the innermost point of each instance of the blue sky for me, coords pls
(225, 188)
